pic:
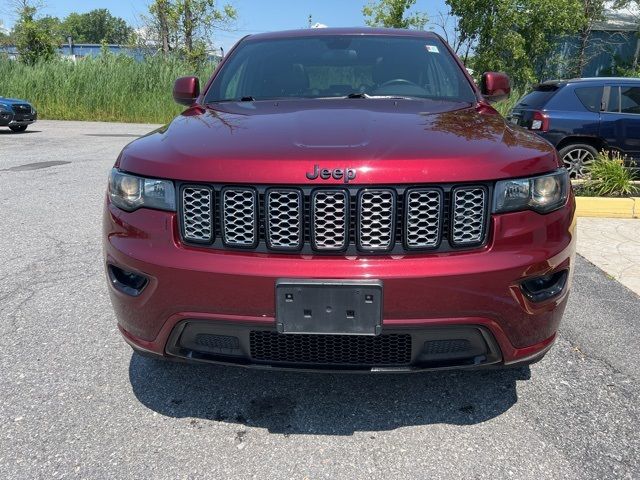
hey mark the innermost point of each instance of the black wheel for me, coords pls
(577, 158)
(19, 128)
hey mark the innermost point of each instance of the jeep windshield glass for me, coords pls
(335, 66)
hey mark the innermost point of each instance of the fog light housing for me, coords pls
(545, 287)
(127, 282)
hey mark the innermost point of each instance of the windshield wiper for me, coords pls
(357, 95)
(385, 97)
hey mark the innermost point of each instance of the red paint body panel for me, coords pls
(388, 142)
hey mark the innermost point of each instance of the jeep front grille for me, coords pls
(349, 220)
(423, 218)
(329, 217)
(197, 214)
(376, 211)
(239, 220)
(21, 108)
(469, 205)
(284, 219)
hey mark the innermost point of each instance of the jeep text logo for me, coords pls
(347, 174)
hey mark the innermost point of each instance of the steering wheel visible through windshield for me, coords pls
(333, 66)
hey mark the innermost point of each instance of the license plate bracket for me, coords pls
(329, 307)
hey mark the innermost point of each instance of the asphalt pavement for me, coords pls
(75, 401)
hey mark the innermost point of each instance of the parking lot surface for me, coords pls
(75, 401)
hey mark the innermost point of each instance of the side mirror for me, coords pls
(495, 86)
(186, 90)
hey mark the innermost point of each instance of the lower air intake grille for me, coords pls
(221, 342)
(391, 349)
(436, 347)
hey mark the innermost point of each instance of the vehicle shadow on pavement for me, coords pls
(9, 132)
(322, 403)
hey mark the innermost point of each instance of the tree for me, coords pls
(96, 26)
(35, 41)
(391, 14)
(592, 12)
(515, 36)
(188, 26)
(448, 26)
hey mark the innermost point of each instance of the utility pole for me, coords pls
(310, 20)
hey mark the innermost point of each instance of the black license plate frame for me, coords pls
(329, 307)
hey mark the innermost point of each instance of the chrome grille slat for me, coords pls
(469, 210)
(284, 219)
(376, 211)
(239, 214)
(329, 216)
(423, 218)
(197, 209)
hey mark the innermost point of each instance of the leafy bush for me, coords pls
(608, 177)
(105, 88)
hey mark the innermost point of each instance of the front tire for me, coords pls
(577, 159)
(19, 128)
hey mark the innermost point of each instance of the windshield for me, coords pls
(326, 66)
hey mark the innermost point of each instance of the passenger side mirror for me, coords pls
(186, 90)
(495, 86)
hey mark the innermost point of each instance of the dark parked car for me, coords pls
(16, 114)
(583, 116)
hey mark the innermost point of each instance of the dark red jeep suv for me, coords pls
(340, 199)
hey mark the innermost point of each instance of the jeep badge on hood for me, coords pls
(347, 174)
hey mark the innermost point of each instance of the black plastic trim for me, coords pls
(115, 277)
(242, 357)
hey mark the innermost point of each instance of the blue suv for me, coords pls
(16, 114)
(583, 116)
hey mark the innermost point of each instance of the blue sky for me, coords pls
(253, 15)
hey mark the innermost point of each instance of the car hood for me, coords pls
(11, 101)
(386, 141)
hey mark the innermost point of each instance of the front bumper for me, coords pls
(9, 119)
(231, 294)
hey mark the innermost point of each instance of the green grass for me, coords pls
(107, 88)
(505, 105)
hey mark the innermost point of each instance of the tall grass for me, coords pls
(505, 106)
(609, 177)
(105, 88)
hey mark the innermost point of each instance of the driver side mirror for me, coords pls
(495, 86)
(186, 90)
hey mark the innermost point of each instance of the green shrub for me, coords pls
(608, 177)
(105, 88)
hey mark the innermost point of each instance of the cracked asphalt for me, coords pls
(75, 401)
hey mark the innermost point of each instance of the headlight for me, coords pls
(130, 192)
(542, 194)
(5, 106)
